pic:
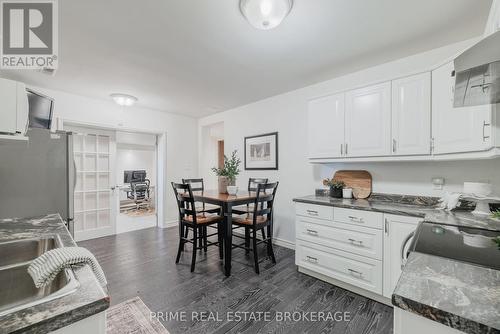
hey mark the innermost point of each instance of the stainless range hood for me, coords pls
(477, 73)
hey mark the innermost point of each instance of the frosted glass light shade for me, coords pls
(265, 14)
(124, 99)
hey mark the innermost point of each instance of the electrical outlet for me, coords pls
(438, 183)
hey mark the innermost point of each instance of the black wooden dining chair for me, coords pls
(247, 209)
(260, 218)
(199, 185)
(252, 187)
(190, 218)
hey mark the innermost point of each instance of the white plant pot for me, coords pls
(232, 190)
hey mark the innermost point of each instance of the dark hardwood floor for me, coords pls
(142, 263)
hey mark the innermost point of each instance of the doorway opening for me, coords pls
(220, 153)
(136, 161)
(211, 153)
(117, 179)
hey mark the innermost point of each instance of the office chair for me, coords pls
(139, 193)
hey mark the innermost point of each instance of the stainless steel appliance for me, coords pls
(466, 244)
(38, 178)
(477, 73)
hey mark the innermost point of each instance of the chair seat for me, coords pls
(248, 220)
(204, 219)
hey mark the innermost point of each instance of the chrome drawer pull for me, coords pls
(312, 212)
(313, 232)
(355, 273)
(356, 242)
(312, 259)
(356, 219)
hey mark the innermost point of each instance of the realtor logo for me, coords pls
(29, 34)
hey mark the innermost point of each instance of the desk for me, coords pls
(226, 202)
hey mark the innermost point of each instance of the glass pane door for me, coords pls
(94, 153)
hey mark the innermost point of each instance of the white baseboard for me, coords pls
(170, 223)
(284, 243)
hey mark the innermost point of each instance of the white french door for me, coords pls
(95, 195)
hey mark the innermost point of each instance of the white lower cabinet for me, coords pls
(357, 247)
(357, 270)
(95, 324)
(359, 218)
(353, 239)
(409, 323)
(314, 211)
(397, 231)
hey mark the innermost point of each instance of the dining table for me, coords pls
(226, 202)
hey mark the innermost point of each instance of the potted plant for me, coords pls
(227, 174)
(335, 187)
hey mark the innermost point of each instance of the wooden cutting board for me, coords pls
(359, 180)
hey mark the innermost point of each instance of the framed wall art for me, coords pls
(261, 152)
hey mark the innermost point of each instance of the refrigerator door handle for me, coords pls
(71, 185)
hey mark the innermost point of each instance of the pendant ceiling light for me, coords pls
(265, 14)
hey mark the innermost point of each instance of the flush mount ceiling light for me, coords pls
(124, 99)
(265, 14)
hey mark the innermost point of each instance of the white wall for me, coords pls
(180, 132)
(133, 157)
(493, 23)
(286, 114)
(209, 152)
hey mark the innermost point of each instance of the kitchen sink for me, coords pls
(24, 250)
(18, 290)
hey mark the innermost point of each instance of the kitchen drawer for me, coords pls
(357, 270)
(346, 237)
(359, 217)
(314, 211)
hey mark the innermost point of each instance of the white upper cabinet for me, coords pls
(8, 106)
(368, 121)
(411, 115)
(457, 130)
(326, 127)
(13, 107)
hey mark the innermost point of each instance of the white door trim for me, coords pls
(161, 161)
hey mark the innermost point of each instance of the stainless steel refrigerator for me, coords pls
(38, 177)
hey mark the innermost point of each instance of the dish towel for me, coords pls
(46, 267)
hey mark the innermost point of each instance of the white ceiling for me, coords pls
(198, 57)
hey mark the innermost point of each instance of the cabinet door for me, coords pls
(411, 115)
(396, 231)
(8, 106)
(368, 121)
(326, 127)
(455, 130)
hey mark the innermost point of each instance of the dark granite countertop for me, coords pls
(407, 206)
(89, 299)
(460, 295)
(457, 294)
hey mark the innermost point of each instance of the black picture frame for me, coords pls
(276, 152)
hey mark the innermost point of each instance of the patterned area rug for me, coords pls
(132, 317)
